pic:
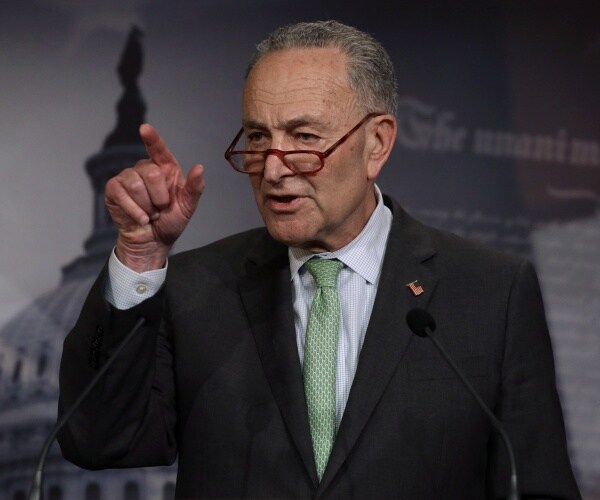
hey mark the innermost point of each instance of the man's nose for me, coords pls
(275, 168)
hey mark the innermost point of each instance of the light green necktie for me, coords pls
(320, 357)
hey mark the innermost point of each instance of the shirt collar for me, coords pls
(364, 254)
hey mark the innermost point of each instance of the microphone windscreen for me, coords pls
(418, 320)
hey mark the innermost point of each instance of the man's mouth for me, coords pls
(283, 203)
(284, 199)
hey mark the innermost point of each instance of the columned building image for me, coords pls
(31, 343)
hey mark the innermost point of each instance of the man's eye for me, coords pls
(256, 140)
(255, 136)
(306, 137)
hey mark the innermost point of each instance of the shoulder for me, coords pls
(234, 244)
(227, 256)
(471, 253)
(449, 254)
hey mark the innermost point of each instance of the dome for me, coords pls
(31, 342)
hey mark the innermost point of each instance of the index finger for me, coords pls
(156, 147)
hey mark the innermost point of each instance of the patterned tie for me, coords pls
(320, 357)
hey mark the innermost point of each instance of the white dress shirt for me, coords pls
(357, 286)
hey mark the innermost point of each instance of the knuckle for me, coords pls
(153, 174)
(119, 180)
(139, 165)
(136, 185)
(111, 185)
(120, 198)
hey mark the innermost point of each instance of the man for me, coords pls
(268, 383)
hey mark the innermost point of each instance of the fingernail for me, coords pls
(155, 216)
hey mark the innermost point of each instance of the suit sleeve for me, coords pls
(529, 405)
(128, 420)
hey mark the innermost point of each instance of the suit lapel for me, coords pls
(407, 252)
(267, 298)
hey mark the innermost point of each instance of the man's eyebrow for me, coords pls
(253, 124)
(299, 121)
(302, 121)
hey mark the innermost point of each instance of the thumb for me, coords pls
(192, 189)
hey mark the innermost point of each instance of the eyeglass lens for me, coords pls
(254, 162)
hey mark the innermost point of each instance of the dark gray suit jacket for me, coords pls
(214, 378)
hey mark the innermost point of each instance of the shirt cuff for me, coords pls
(127, 288)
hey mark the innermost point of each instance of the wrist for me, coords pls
(142, 258)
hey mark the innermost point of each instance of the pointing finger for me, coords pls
(156, 147)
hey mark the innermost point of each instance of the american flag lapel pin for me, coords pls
(415, 288)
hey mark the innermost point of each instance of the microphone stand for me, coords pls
(36, 489)
(513, 487)
(422, 324)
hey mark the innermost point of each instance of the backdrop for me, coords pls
(499, 141)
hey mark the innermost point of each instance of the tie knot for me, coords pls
(324, 271)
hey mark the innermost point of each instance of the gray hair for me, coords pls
(370, 71)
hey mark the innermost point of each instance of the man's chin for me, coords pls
(288, 234)
(296, 239)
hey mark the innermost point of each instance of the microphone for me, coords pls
(422, 324)
(36, 489)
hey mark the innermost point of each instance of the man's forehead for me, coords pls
(295, 67)
(312, 106)
(298, 76)
(296, 89)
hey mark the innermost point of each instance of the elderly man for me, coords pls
(277, 363)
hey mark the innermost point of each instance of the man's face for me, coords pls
(300, 99)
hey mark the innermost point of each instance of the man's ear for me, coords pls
(381, 136)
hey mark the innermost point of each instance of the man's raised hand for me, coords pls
(151, 204)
